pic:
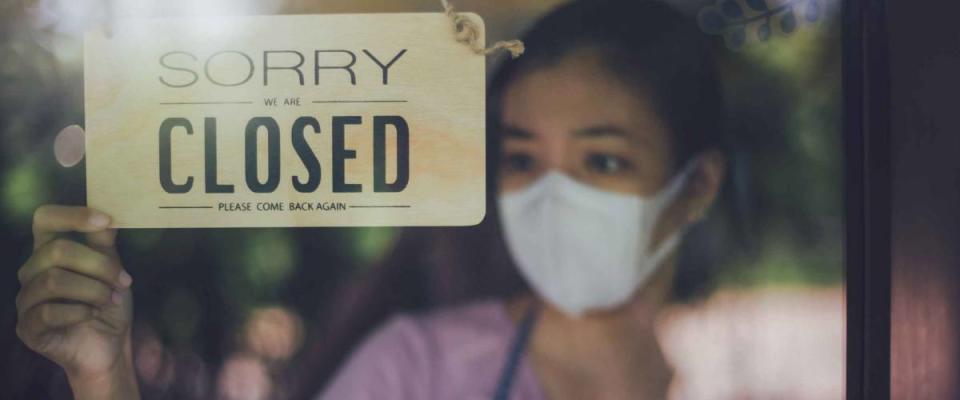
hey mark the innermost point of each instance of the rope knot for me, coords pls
(466, 32)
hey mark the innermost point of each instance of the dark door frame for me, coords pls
(867, 187)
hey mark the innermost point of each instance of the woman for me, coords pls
(610, 147)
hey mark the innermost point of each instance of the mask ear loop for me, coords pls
(663, 199)
(676, 184)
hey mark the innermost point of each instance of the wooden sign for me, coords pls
(282, 121)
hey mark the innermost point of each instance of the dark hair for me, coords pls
(664, 55)
(648, 45)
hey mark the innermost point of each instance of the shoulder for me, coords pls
(471, 321)
(411, 353)
(419, 334)
(451, 335)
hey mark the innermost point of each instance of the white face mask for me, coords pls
(581, 248)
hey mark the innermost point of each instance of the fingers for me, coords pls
(103, 240)
(61, 285)
(49, 220)
(73, 256)
(34, 323)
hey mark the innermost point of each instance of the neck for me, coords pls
(607, 349)
(635, 317)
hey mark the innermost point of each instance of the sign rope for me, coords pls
(468, 33)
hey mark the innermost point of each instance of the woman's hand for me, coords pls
(75, 305)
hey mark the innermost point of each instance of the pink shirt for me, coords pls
(735, 345)
(454, 353)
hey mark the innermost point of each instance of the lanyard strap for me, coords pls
(517, 348)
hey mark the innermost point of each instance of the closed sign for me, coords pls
(282, 121)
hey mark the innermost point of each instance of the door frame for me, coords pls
(867, 257)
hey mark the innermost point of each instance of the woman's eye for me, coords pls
(606, 163)
(518, 162)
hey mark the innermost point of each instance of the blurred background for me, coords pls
(271, 313)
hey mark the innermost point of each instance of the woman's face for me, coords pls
(577, 118)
